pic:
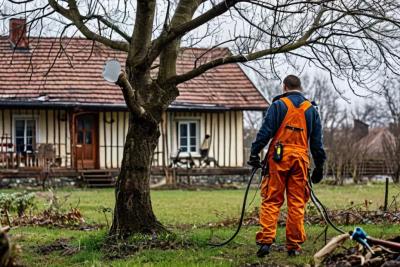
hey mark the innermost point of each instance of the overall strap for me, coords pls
(290, 108)
(288, 103)
(305, 105)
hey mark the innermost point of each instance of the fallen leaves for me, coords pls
(341, 217)
(71, 219)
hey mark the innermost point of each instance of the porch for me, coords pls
(107, 177)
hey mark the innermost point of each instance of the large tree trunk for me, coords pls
(133, 211)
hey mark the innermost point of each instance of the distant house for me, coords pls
(370, 148)
(52, 93)
(373, 144)
(358, 151)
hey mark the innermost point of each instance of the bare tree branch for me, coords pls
(130, 95)
(75, 17)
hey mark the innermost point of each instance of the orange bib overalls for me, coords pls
(291, 174)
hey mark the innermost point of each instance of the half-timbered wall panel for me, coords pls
(239, 138)
(113, 127)
(102, 149)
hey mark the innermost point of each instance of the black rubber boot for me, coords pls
(293, 252)
(263, 250)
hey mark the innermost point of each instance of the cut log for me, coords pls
(385, 243)
(332, 245)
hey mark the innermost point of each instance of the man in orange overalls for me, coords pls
(293, 124)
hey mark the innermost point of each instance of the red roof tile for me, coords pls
(76, 76)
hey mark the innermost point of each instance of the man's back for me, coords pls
(274, 118)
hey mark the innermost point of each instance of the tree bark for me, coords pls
(133, 211)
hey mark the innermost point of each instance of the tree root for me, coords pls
(155, 229)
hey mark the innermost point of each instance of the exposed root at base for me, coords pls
(117, 233)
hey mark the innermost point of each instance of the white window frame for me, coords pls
(25, 117)
(188, 121)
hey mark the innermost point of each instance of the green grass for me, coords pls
(194, 208)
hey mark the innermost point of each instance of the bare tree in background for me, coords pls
(253, 119)
(391, 94)
(349, 39)
(327, 99)
(334, 120)
(346, 156)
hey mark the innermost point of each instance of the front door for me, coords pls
(85, 141)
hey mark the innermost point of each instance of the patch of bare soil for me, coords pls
(61, 244)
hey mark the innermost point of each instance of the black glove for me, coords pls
(254, 161)
(317, 175)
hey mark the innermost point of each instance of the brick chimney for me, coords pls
(360, 129)
(17, 36)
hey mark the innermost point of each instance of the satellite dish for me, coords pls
(112, 70)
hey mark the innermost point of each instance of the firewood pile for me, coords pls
(336, 254)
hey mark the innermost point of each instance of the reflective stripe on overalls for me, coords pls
(291, 174)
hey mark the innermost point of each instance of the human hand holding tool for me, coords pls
(317, 175)
(254, 161)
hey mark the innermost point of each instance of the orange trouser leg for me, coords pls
(272, 192)
(297, 197)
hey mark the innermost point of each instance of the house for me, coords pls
(373, 149)
(52, 93)
(359, 151)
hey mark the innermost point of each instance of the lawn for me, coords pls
(187, 213)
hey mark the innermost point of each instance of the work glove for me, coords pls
(317, 175)
(254, 161)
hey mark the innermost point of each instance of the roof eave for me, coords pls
(107, 106)
(46, 104)
(255, 87)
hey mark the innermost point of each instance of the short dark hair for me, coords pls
(292, 82)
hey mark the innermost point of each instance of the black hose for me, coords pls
(322, 209)
(242, 214)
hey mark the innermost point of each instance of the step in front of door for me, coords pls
(97, 179)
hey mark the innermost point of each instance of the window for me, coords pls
(188, 136)
(85, 130)
(25, 134)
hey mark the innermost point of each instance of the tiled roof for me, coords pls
(374, 142)
(76, 78)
